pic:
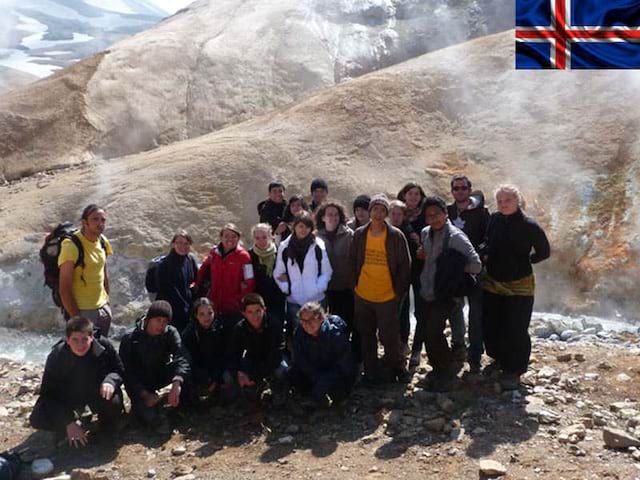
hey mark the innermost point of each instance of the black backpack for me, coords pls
(152, 279)
(50, 252)
(318, 252)
(451, 280)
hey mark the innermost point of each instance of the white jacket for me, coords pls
(306, 286)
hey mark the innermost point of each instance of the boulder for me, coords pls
(618, 439)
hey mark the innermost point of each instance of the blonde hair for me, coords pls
(511, 189)
(312, 307)
(263, 227)
(398, 204)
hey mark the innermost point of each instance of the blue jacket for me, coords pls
(325, 358)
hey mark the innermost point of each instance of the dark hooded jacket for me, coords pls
(326, 358)
(266, 286)
(175, 275)
(152, 362)
(514, 242)
(271, 212)
(75, 381)
(206, 350)
(473, 221)
(259, 351)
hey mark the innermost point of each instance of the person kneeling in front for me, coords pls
(323, 363)
(153, 358)
(81, 370)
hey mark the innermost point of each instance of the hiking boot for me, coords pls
(459, 352)
(491, 370)
(509, 381)
(400, 375)
(414, 361)
(439, 382)
(474, 367)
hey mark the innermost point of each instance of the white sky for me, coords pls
(171, 6)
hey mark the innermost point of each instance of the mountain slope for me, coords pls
(222, 62)
(570, 143)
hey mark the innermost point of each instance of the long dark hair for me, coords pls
(403, 192)
(323, 209)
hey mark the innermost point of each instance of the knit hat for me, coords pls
(379, 199)
(160, 308)
(319, 183)
(361, 201)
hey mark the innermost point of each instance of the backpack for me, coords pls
(50, 251)
(318, 252)
(152, 278)
(451, 280)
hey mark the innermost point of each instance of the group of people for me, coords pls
(303, 309)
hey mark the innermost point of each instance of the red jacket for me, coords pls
(228, 275)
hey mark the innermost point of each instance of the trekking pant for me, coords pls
(149, 415)
(55, 415)
(403, 315)
(456, 321)
(337, 391)
(505, 323)
(379, 320)
(418, 301)
(340, 302)
(476, 347)
(435, 314)
(101, 318)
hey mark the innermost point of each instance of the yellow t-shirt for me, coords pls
(374, 283)
(89, 294)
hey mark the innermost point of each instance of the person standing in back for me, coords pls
(382, 267)
(84, 286)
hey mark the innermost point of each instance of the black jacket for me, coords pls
(473, 221)
(510, 240)
(259, 351)
(266, 286)
(75, 381)
(271, 212)
(175, 275)
(325, 358)
(152, 362)
(206, 351)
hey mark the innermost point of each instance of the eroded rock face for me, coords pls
(570, 143)
(218, 63)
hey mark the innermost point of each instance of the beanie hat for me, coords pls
(319, 183)
(379, 199)
(361, 201)
(160, 308)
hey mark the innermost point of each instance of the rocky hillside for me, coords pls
(570, 142)
(220, 62)
(10, 79)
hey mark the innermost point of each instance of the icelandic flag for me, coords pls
(577, 34)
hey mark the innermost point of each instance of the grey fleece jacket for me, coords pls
(432, 244)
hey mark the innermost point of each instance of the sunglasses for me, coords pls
(456, 189)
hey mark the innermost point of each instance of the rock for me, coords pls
(435, 424)
(491, 468)
(64, 476)
(178, 451)
(617, 438)
(286, 440)
(579, 357)
(41, 467)
(182, 470)
(587, 422)
(151, 473)
(292, 429)
(567, 334)
(623, 377)
(81, 474)
(373, 469)
(445, 404)
(370, 438)
(543, 331)
(548, 417)
(564, 357)
(4, 412)
(627, 413)
(546, 372)
(599, 420)
(592, 377)
(576, 451)
(573, 434)
(636, 455)
(603, 365)
(191, 476)
(617, 406)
